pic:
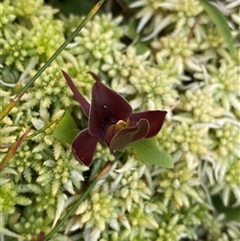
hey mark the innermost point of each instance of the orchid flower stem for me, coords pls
(15, 100)
(81, 199)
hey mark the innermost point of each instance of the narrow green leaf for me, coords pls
(221, 23)
(15, 100)
(147, 151)
(66, 129)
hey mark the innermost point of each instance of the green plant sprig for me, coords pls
(101, 173)
(15, 100)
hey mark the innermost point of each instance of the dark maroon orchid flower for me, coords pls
(111, 120)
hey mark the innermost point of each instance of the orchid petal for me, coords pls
(107, 107)
(96, 78)
(129, 134)
(84, 146)
(155, 118)
(83, 102)
(114, 129)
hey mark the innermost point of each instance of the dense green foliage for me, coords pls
(165, 55)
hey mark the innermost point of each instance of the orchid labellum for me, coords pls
(110, 120)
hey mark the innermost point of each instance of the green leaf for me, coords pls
(66, 129)
(147, 151)
(221, 23)
(141, 48)
(131, 30)
(72, 7)
(231, 213)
